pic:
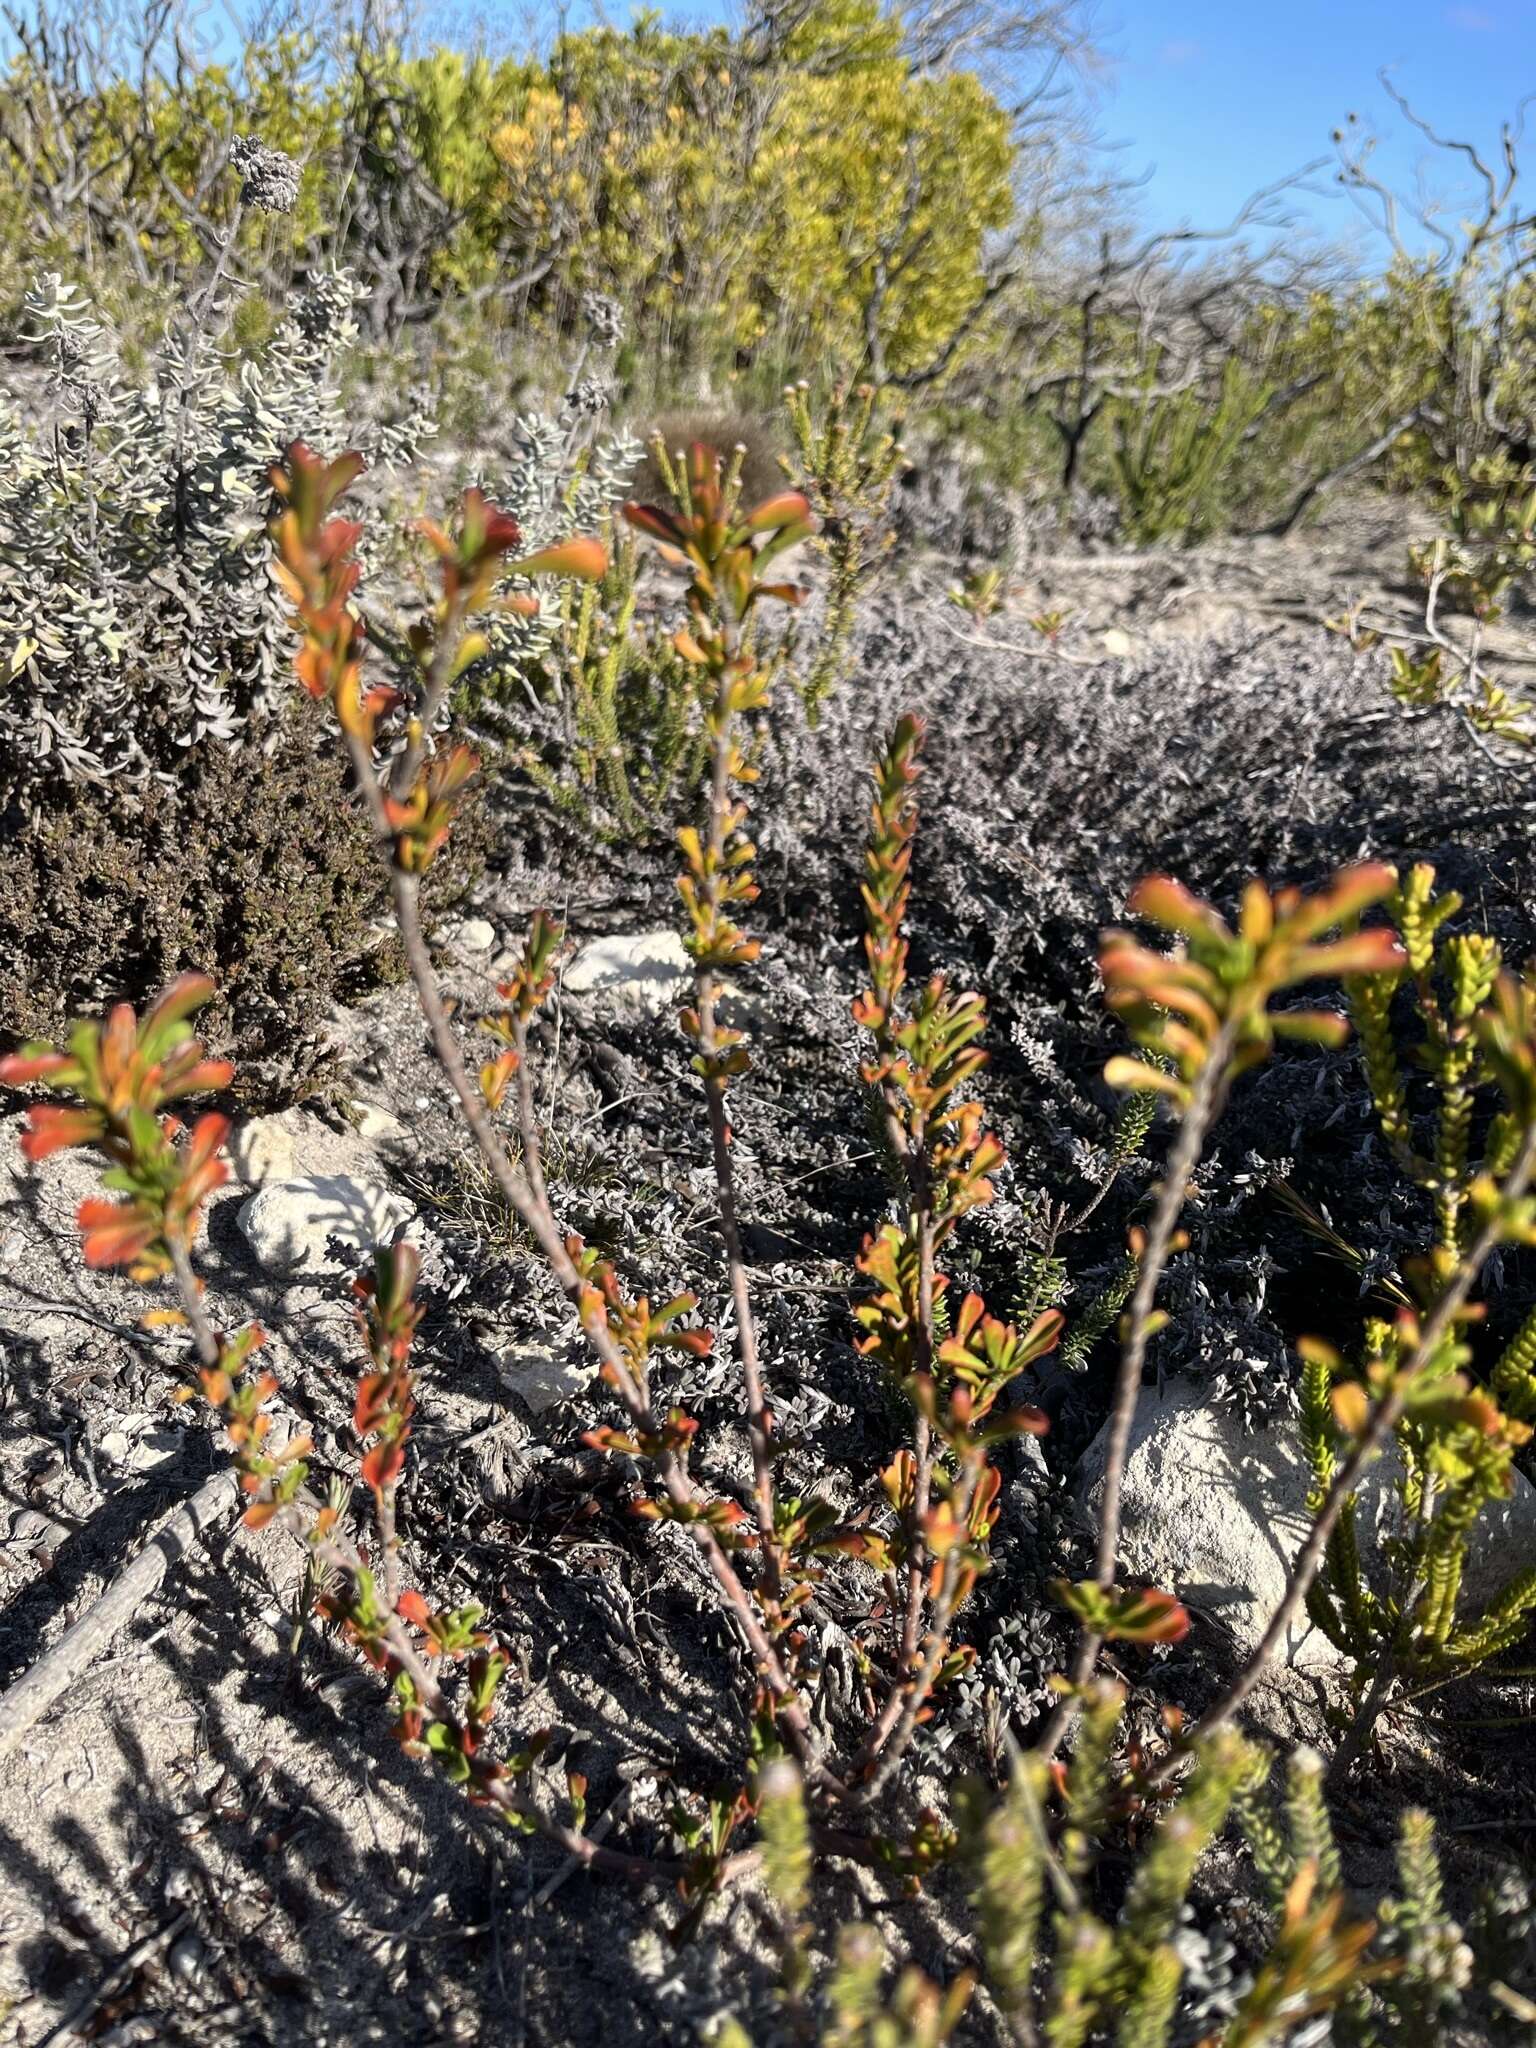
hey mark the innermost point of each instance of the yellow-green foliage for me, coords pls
(1457, 1444)
(1064, 1973)
(827, 196)
(716, 195)
(1174, 454)
(633, 748)
(847, 470)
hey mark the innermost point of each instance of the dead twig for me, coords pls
(121, 1971)
(211, 1508)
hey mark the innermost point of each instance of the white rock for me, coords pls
(472, 935)
(379, 1127)
(647, 973)
(31, 1526)
(262, 1149)
(288, 1223)
(1217, 1517)
(544, 1378)
(140, 1446)
(295, 1144)
(642, 971)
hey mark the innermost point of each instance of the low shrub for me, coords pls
(142, 685)
(1200, 1015)
(255, 868)
(138, 618)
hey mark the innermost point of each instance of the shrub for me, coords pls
(1174, 453)
(693, 173)
(1490, 544)
(622, 748)
(847, 471)
(1458, 1445)
(253, 867)
(603, 701)
(1201, 1017)
(146, 652)
(113, 489)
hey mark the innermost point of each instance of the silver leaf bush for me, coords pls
(138, 615)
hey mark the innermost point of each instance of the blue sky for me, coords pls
(1216, 99)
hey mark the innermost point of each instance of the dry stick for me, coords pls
(211, 1508)
(1378, 1427)
(1468, 658)
(599, 1829)
(132, 1959)
(540, 1222)
(1198, 1119)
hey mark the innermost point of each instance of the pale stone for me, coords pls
(472, 935)
(644, 971)
(380, 1127)
(295, 1144)
(1217, 1516)
(544, 1378)
(262, 1149)
(141, 1446)
(646, 974)
(287, 1224)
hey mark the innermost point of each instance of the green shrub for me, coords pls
(627, 749)
(1406, 1625)
(1174, 453)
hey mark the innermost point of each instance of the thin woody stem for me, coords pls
(540, 1222)
(922, 1474)
(334, 1550)
(402, 779)
(914, 1696)
(389, 1541)
(706, 999)
(527, 1115)
(204, 1337)
(1198, 1118)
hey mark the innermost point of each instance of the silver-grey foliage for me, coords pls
(138, 615)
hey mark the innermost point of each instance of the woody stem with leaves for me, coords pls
(1204, 1013)
(724, 552)
(924, 1058)
(320, 573)
(124, 1075)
